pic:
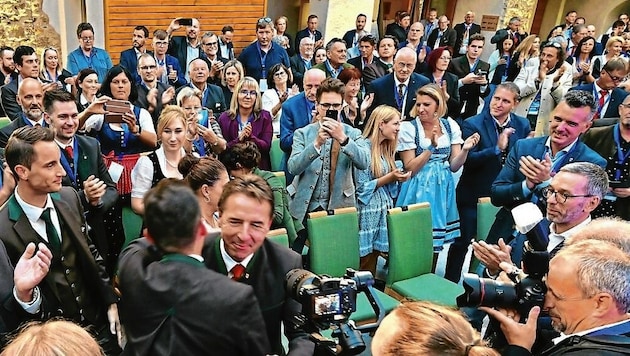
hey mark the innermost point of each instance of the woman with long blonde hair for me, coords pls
(377, 185)
(525, 55)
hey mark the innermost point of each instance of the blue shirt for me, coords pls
(251, 59)
(98, 60)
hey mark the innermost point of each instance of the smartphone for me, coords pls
(186, 21)
(116, 109)
(618, 184)
(505, 58)
(332, 114)
(482, 72)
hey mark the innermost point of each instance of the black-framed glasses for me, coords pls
(328, 106)
(264, 20)
(613, 78)
(561, 197)
(211, 44)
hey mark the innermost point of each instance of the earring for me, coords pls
(434, 114)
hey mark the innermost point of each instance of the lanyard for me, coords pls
(400, 99)
(620, 156)
(558, 163)
(242, 125)
(263, 59)
(72, 170)
(600, 107)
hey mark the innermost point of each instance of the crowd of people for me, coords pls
(181, 132)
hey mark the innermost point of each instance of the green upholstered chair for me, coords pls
(485, 218)
(334, 246)
(4, 121)
(411, 257)
(279, 236)
(276, 154)
(132, 225)
(282, 177)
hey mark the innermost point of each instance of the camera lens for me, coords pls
(297, 279)
(487, 292)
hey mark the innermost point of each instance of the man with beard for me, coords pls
(260, 56)
(30, 98)
(7, 67)
(613, 143)
(353, 37)
(129, 57)
(335, 62)
(185, 48)
(152, 95)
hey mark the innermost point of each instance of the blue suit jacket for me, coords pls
(181, 76)
(129, 60)
(306, 165)
(295, 114)
(384, 89)
(616, 97)
(484, 163)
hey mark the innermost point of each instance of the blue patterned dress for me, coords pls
(372, 205)
(434, 182)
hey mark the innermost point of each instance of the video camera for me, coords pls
(527, 290)
(327, 302)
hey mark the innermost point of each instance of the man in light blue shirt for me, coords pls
(88, 56)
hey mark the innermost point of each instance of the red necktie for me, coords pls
(237, 272)
(70, 152)
(600, 105)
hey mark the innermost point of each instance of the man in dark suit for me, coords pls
(612, 142)
(210, 46)
(212, 95)
(513, 30)
(531, 163)
(244, 254)
(399, 28)
(366, 53)
(399, 88)
(443, 35)
(191, 310)
(129, 57)
(301, 61)
(76, 287)
(473, 76)
(226, 47)
(152, 95)
(352, 37)
(311, 32)
(30, 99)
(85, 169)
(464, 30)
(607, 95)
(384, 64)
(498, 131)
(180, 46)
(168, 69)
(297, 112)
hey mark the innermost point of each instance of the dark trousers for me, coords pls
(459, 247)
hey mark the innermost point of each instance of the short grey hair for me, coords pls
(579, 99)
(597, 184)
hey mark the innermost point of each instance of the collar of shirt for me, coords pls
(556, 239)
(34, 213)
(599, 89)
(397, 82)
(586, 332)
(138, 53)
(197, 257)
(41, 121)
(505, 124)
(229, 261)
(190, 44)
(332, 70)
(64, 145)
(565, 150)
(163, 164)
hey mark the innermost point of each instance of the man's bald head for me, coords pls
(31, 97)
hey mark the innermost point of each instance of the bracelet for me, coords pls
(137, 133)
(345, 142)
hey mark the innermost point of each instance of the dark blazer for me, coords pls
(177, 48)
(16, 233)
(266, 273)
(357, 63)
(191, 309)
(507, 192)
(374, 71)
(215, 99)
(5, 132)
(90, 162)
(181, 75)
(262, 134)
(9, 99)
(348, 37)
(448, 39)
(383, 89)
(600, 140)
(503, 33)
(453, 103)
(129, 60)
(460, 30)
(142, 101)
(469, 94)
(616, 97)
(397, 31)
(305, 33)
(298, 69)
(295, 114)
(484, 162)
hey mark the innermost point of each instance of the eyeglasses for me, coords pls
(161, 43)
(327, 106)
(561, 197)
(627, 106)
(279, 74)
(211, 44)
(402, 65)
(87, 39)
(149, 67)
(264, 20)
(245, 92)
(613, 78)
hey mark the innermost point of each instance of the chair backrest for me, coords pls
(334, 241)
(485, 218)
(275, 155)
(4, 121)
(280, 236)
(410, 231)
(132, 225)
(282, 177)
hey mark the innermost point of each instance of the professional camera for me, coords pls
(327, 302)
(528, 289)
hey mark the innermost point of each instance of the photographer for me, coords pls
(588, 298)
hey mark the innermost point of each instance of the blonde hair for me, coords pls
(232, 63)
(430, 329)
(187, 93)
(53, 338)
(434, 92)
(612, 40)
(168, 115)
(385, 149)
(245, 82)
(58, 70)
(526, 46)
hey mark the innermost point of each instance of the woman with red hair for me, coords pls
(438, 61)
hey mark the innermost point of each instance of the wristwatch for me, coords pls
(345, 142)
